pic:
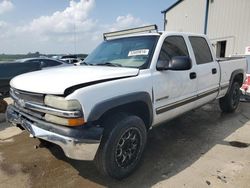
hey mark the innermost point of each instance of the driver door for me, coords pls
(174, 91)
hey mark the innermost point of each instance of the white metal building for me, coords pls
(226, 22)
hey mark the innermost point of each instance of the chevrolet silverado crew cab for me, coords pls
(135, 79)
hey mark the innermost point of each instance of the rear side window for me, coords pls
(201, 50)
(173, 46)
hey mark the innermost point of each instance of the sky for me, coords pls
(70, 26)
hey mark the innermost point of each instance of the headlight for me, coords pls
(64, 121)
(62, 103)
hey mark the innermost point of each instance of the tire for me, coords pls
(122, 146)
(230, 102)
(3, 106)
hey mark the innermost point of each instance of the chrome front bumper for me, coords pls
(80, 149)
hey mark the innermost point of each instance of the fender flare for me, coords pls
(100, 108)
(233, 75)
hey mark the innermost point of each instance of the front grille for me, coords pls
(37, 98)
(28, 96)
(36, 114)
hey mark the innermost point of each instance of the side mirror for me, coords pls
(176, 63)
(180, 63)
(162, 65)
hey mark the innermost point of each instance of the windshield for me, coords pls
(133, 52)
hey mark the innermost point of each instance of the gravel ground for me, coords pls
(203, 148)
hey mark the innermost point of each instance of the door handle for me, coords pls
(192, 75)
(214, 71)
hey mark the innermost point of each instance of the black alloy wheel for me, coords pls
(122, 145)
(127, 149)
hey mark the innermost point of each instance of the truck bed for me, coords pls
(227, 67)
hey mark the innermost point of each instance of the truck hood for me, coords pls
(57, 80)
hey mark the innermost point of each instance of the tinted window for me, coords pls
(173, 46)
(50, 63)
(74, 61)
(34, 61)
(201, 50)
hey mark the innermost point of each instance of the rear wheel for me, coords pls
(231, 100)
(122, 146)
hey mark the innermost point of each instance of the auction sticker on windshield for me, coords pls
(138, 52)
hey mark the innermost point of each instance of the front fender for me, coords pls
(101, 108)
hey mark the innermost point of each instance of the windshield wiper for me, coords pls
(109, 64)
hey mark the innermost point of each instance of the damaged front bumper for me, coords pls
(79, 143)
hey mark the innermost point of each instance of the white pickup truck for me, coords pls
(133, 80)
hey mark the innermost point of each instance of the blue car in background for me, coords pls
(8, 70)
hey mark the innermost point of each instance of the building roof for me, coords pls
(172, 6)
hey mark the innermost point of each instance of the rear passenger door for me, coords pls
(208, 72)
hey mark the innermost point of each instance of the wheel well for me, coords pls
(239, 78)
(138, 108)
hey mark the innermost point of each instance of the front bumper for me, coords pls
(78, 143)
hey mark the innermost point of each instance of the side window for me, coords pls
(34, 61)
(51, 63)
(173, 46)
(201, 50)
(74, 61)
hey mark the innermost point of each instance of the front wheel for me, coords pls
(122, 146)
(231, 100)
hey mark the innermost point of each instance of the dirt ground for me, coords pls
(203, 148)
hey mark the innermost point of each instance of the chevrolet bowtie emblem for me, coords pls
(21, 103)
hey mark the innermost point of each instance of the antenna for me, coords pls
(75, 36)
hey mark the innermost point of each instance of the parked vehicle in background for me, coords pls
(8, 70)
(245, 89)
(71, 59)
(134, 80)
(43, 62)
